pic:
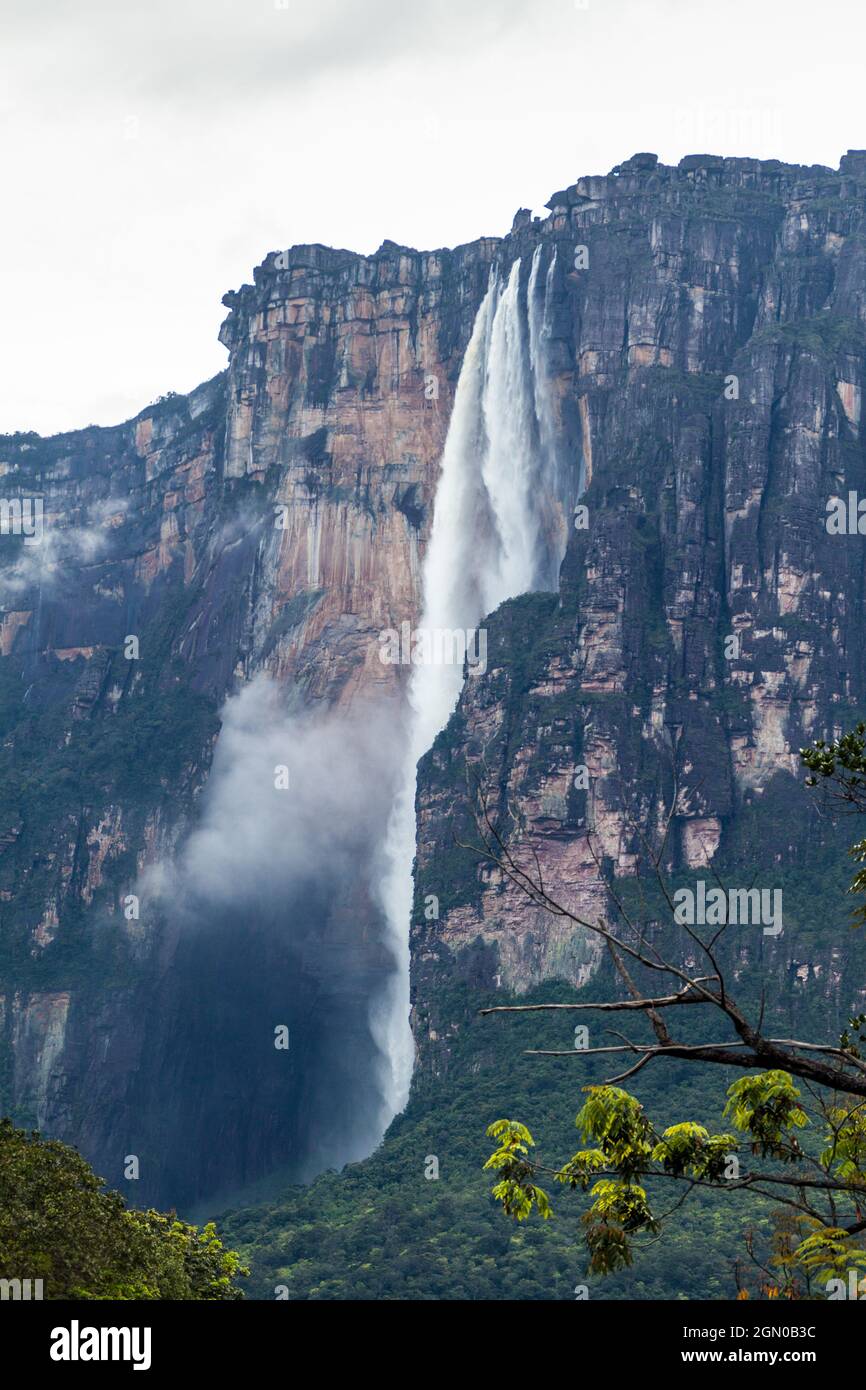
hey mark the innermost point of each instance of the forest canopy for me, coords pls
(59, 1225)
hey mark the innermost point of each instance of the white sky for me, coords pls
(154, 151)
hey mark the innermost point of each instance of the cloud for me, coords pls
(256, 838)
(239, 49)
(62, 549)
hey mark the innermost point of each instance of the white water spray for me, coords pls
(497, 533)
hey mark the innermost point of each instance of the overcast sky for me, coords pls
(153, 153)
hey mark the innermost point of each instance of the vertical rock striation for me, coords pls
(710, 343)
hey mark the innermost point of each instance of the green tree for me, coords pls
(60, 1225)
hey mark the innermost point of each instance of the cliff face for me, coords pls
(339, 390)
(708, 621)
(706, 357)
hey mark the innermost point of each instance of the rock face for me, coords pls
(706, 357)
(709, 359)
(339, 389)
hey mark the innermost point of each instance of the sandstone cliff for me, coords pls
(706, 358)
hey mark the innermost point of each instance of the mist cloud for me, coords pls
(254, 838)
(280, 885)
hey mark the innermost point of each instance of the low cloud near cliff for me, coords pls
(279, 885)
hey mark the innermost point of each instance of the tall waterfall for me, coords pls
(497, 532)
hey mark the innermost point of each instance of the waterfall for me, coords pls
(497, 532)
(558, 493)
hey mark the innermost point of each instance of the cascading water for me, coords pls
(497, 532)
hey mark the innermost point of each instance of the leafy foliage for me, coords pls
(690, 1148)
(58, 1224)
(765, 1107)
(830, 1253)
(514, 1190)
